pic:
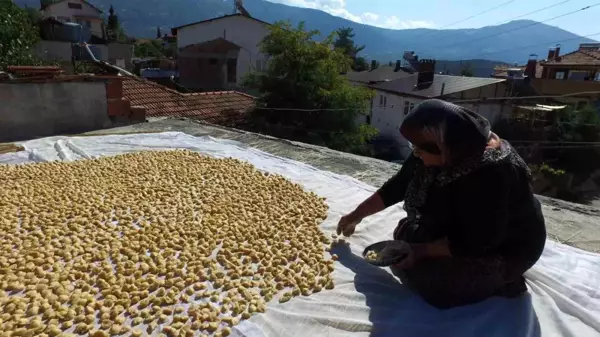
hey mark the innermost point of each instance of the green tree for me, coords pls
(360, 64)
(18, 35)
(374, 64)
(34, 15)
(466, 70)
(46, 3)
(345, 43)
(154, 48)
(114, 30)
(574, 125)
(303, 74)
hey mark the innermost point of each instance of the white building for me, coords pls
(78, 11)
(218, 53)
(397, 93)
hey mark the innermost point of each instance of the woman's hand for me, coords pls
(347, 224)
(408, 262)
(435, 249)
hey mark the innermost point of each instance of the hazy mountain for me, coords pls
(141, 17)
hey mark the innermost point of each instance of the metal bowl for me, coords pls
(396, 252)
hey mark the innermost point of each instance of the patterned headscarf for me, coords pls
(461, 136)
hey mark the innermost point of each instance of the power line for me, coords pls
(552, 142)
(532, 12)
(522, 27)
(525, 97)
(478, 14)
(467, 18)
(538, 44)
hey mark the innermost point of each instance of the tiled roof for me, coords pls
(174, 29)
(578, 57)
(160, 101)
(85, 2)
(383, 73)
(451, 84)
(501, 71)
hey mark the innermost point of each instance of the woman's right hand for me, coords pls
(347, 224)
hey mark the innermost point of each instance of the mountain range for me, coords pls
(507, 42)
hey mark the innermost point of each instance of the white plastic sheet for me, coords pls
(564, 297)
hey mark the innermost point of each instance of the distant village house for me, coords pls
(78, 11)
(218, 53)
(398, 89)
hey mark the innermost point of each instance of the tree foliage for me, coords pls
(345, 43)
(374, 64)
(114, 30)
(154, 48)
(18, 35)
(466, 70)
(303, 74)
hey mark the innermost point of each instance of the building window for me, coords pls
(213, 61)
(380, 101)
(74, 5)
(384, 101)
(578, 75)
(231, 70)
(597, 77)
(560, 75)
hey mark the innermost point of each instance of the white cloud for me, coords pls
(338, 8)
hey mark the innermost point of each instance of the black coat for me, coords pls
(489, 212)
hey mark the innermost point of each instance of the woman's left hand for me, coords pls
(408, 262)
(439, 248)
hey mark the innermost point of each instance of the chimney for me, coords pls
(397, 66)
(551, 53)
(531, 66)
(557, 51)
(374, 65)
(426, 73)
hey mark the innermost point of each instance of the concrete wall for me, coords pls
(31, 110)
(242, 31)
(61, 51)
(120, 51)
(86, 15)
(388, 114)
(562, 87)
(389, 110)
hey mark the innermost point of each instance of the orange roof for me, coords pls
(578, 57)
(502, 70)
(160, 101)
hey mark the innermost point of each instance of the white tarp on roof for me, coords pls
(564, 298)
(540, 107)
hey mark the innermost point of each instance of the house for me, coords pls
(394, 99)
(572, 78)
(382, 73)
(217, 54)
(78, 11)
(227, 108)
(44, 101)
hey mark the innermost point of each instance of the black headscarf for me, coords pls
(463, 133)
(462, 136)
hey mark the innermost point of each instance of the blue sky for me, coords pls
(402, 14)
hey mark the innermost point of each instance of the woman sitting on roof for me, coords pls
(473, 225)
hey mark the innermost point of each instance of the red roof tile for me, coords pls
(502, 70)
(160, 101)
(578, 57)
